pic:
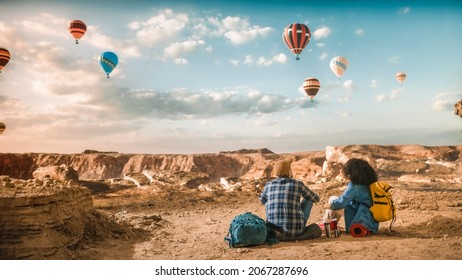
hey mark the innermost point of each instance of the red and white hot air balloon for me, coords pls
(296, 36)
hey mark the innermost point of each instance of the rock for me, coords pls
(40, 222)
(62, 173)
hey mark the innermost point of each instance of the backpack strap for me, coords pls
(394, 216)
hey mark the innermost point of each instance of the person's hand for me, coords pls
(327, 206)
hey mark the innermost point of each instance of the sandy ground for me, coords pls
(192, 224)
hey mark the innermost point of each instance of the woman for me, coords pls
(356, 199)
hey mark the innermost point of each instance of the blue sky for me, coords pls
(210, 76)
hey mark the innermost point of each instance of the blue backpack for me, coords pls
(247, 230)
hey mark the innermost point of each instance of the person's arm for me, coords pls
(308, 194)
(348, 195)
(263, 196)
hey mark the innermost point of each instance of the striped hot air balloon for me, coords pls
(4, 58)
(400, 77)
(2, 127)
(77, 28)
(296, 36)
(338, 65)
(108, 61)
(311, 87)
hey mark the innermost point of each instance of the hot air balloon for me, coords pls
(338, 65)
(77, 29)
(400, 77)
(4, 58)
(108, 61)
(296, 36)
(311, 87)
(2, 127)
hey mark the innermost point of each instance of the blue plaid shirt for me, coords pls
(281, 197)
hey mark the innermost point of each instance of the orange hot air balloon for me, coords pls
(311, 87)
(2, 127)
(77, 28)
(401, 77)
(4, 58)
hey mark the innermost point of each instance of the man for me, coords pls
(288, 204)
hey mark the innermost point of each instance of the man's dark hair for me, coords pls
(359, 172)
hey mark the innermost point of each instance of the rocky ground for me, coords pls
(179, 207)
(192, 224)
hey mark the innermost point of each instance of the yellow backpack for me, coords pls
(383, 208)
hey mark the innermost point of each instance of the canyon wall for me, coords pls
(389, 160)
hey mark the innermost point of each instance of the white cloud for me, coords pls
(280, 58)
(163, 27)
(320, 45)
(324, 56)
(181, 104)
(348, 85)
(394, 59)
(243, 36)
(387, 97)
(359, 32)
(248, 60)
(445, 101)
(124, 48)
(382, 98)
(322, 32)
(373, 84)
(262, 61)
(176, 50)
(181, 61)
(238, 30)
(404, 11)
(234, 62)
(395, 93)
(343, 114)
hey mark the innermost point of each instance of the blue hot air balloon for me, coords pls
(108, 61)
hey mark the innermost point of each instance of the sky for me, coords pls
(210, 76)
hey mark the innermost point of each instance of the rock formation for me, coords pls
(389, 160)
(62, 173)
(458, 108)
(40, 219)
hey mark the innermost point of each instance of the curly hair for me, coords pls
(359, 171)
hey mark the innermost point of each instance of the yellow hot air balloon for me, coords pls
(400, 77)
(311, 87)
(338, 65)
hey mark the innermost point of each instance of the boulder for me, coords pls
(62, 173)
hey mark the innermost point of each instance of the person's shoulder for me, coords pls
(272, 181)
(298, 182)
